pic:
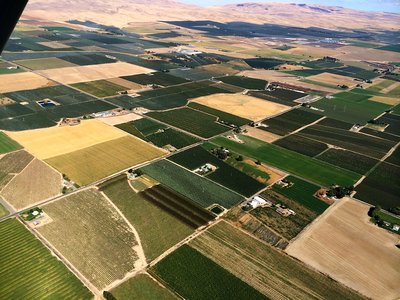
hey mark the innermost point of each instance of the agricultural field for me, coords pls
(333, 79)
(21, 278)
(394, 158)
(393, 121)
(244, 106)
(244, 82)
(93, 163)
(142, 287)
(288, 227)
(199, 189)
(182, 208)
(279, 95)
(152, 223)
(354, 141)
(194, 276)
(222, 116)
(158, 78)
(292, 162)
(225, 175)
(44, 63)
(302, 192)
(290, 121)
(87, 59)
(351, 107)
(330, 243)
(100, 88)
(7, 144)
(274, 274)
(22, 81)
(12, 164)
(110, 249)
(349, 160)
(37, 182)
(382, 181)
(3, 211)
(190, 120)
(71, 75)
(158, 134)
(302, 145)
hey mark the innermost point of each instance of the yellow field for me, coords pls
(333, 79)
(54, 45)
(44, 63)
(79, 74)
(126, 83)
(386, 100)
(55, 141)
(243, 106)
(347, 247)
(22, 81)
(120, 119)
(93, 163)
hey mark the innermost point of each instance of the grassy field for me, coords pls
(192, 121)
(292, 162)
(32, 272)
(37, 182)
(100, 88)
(142, 287)
(199, 189)
(96, 162)
(158, 230)
(101, 248)
(348, 160)
(3, 211)
(194, 276)
(302, 192)
(274, 274)
(7, 144)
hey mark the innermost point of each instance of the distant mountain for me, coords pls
(122, 12)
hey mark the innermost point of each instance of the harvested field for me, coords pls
(20, 276)
(142, 287)
(343, 243)
(50, 142)
(194, 276)
(386, 100)
(152, 223)
(79, 74)
(129, 85)
(274, 274)
(12, 164)
(44, 63)
(117, 120)
(262, 135)
(333, 79)
(54, 45)
(22, 81)
(102, 249)
(244, 106)
(104, 159)
(37, 182)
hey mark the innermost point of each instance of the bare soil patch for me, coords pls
(333, 79)
(261, 134)
(22, 81)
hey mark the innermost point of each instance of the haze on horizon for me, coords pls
(380, 5)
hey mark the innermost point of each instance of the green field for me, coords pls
(351, 107)
(292, 162)
(3, 211)
(272, 272)
(100, 88)
(193, 121)
(199, 189)
(302, 192)
(348, 160)
(29, 271)
(7, 144)
(142, 287)
(302, 145)
(194, 276)
(157, 229)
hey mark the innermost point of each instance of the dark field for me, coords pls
(88, 59)
(301, 145)
(263, 63)
(281, 96)
(393, 121)
(244, 82)
(159, 78)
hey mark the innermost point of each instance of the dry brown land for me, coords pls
(242, 105)
(261, 134)
(44, 63)
(6, 101)
(126, 83)
(79, 74)
(37, 182)
(120, 119)
(54, 45)
(366, 54)
(272, 76)
(22, 81)
(288, 67)
(386, 100)
(90, 234)
(347, 247)
(54, 141)
(333, 79)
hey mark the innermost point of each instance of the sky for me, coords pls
(370, 5)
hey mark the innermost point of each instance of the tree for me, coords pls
(108, 296)
(239, 158)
